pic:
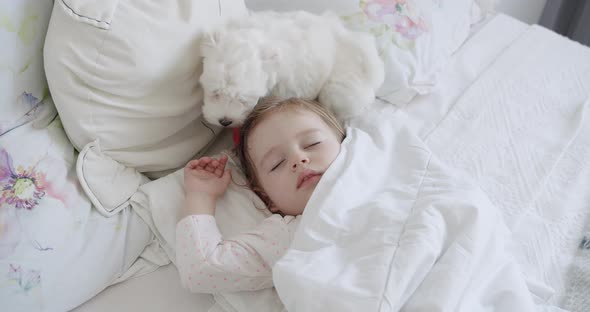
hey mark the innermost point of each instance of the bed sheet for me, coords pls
(487, 41)
(154, 292)
(522, 132)
(491, 37)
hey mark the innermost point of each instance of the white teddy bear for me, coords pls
(291, 54)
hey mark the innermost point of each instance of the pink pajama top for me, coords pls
(208, 263)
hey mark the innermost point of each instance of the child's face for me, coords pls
(290, 151)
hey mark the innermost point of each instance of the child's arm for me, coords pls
(205, 261)
(209, 264)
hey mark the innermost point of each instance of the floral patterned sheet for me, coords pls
(55, 250)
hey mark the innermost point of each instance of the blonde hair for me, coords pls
(264, 108)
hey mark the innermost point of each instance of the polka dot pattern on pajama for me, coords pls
(209, 263)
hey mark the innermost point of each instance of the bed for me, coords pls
(508, 110)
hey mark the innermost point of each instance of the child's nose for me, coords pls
(299, 161)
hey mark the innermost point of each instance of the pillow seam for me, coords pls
(99, 54)
(83, 16)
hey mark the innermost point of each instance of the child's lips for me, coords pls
(308, 177)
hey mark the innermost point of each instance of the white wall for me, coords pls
(528, 11)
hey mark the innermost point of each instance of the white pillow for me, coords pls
(415, 37)
(158, 203)
(320, 6)
(126, 73)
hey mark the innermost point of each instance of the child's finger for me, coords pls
(223, 160)
(192, 164)
(204, 160)
(207, 161)
(210, 168)
(222, 165)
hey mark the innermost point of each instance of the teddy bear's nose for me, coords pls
(225, 122)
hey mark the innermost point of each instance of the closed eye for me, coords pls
(277, 165)
(314, 144)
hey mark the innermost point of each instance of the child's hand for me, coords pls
(206, 176)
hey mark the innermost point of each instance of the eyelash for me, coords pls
(314, 144)
(277, 165)
(282, 161)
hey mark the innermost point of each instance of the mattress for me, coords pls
(486, 43)
(156, 291)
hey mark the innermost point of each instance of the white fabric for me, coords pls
(409, 234)
(23, 87)
(155, 292)
(415, 37)
(577, 296)
(319, 6)
(126, 73)
(522, 131)
(56, 252)
(98, 174)
(479, 53)
(487, 6)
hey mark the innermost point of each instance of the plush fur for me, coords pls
(292, 54)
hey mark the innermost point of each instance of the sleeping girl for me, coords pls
(285, 147)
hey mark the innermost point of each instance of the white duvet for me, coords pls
(389, 227)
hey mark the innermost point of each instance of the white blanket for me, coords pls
(522, 132)
(389, 227)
